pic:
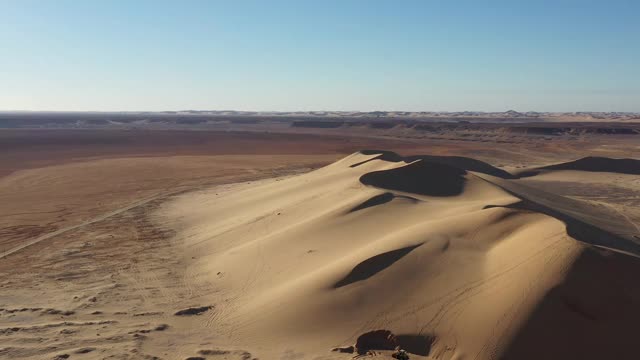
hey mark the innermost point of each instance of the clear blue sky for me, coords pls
(320, 55)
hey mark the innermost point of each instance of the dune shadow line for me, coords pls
(381, 199)
(592, 314)
(373, 265)
(599, 164)
(420, 177)
(458, 162)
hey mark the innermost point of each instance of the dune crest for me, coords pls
(449, 255)
(599, 164)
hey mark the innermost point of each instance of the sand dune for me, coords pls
(600, 164)
(454, 257)
(590, 164)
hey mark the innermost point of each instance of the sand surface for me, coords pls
(243, 257)
(457, 264)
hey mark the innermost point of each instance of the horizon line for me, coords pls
(323, 111)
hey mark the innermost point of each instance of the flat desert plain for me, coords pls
(176, 244)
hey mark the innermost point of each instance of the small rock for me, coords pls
(85, 350)
(161, 327)
(193, 310)
(213, 352)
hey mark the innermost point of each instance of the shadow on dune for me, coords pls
(529, 173)
(381, 199)
(420, 177)
(374, 201)
(594, 164)
(593, 314)
(590, 164)
(459, 162)
(416, 344)
(373, 265)
(468, 164)
(386, 340)
(579, 230)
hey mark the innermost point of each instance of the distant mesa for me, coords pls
(513, 113)
(317, 124)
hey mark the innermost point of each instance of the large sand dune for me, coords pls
(195, 257)
(456, 258)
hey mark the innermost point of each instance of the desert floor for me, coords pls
(118, 244)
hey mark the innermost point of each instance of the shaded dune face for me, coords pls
(382, 199)
(466, 163)
(600, 164)
(386, 340)
(579, 229)
(373, 265)
(592, 314)
(420, 177)
(443, 256)
(588, 164)
(458, 162)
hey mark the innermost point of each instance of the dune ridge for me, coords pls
(599, 164)
(449, 252)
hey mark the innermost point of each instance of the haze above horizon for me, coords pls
(332, 55)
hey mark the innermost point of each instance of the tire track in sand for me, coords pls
(77, 226)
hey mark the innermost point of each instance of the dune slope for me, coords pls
(452, 256)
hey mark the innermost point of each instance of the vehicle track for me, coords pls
(83, 224)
